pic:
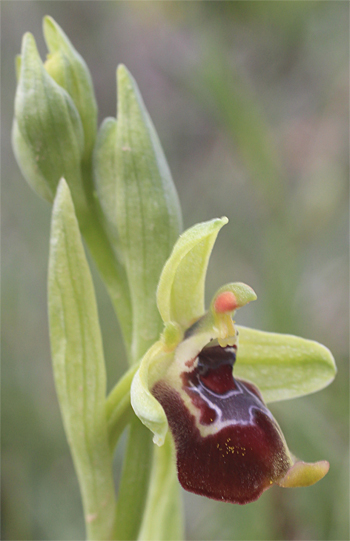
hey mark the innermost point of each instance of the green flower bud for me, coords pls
(47, 137)
(69, 70)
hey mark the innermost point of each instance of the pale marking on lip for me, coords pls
(207, 430)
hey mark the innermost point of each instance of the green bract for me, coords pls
(140, 204)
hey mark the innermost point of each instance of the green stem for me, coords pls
(134, 483)
(163, 517)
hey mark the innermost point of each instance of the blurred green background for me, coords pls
(250, 100)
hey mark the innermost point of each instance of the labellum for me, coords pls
(229, 447)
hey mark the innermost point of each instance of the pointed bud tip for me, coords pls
(47, 19)
(49, 30)
(223, 220)
(55, 37)
(29, 53)
(28, 43)
(123, 74)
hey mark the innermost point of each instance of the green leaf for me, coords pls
(180, 295)
(78, 364)
(281, 365)
(147, 210)
(164, 498)
(48, 137)
(69, 70)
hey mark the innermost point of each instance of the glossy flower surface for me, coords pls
(228, 445)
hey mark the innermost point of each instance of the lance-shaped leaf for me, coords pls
(180, 295)
(48, 138)
(281, 365)
(78, 364)
(147, 210)
(69, 70)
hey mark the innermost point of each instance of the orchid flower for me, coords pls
(228, 445)
(201, 375)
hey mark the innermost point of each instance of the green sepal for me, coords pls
(66, 66)
(147, 210)
(282, 366)
(152, 367)
(48, 138)
(78, 365)
(180, 294)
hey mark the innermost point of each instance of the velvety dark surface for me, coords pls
(246, 454)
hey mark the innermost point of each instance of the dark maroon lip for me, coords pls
(243, 452)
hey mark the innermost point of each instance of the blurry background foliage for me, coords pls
(250, 100)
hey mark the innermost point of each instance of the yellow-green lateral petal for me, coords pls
(153, 366)
(180, 295)
(281, 365)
